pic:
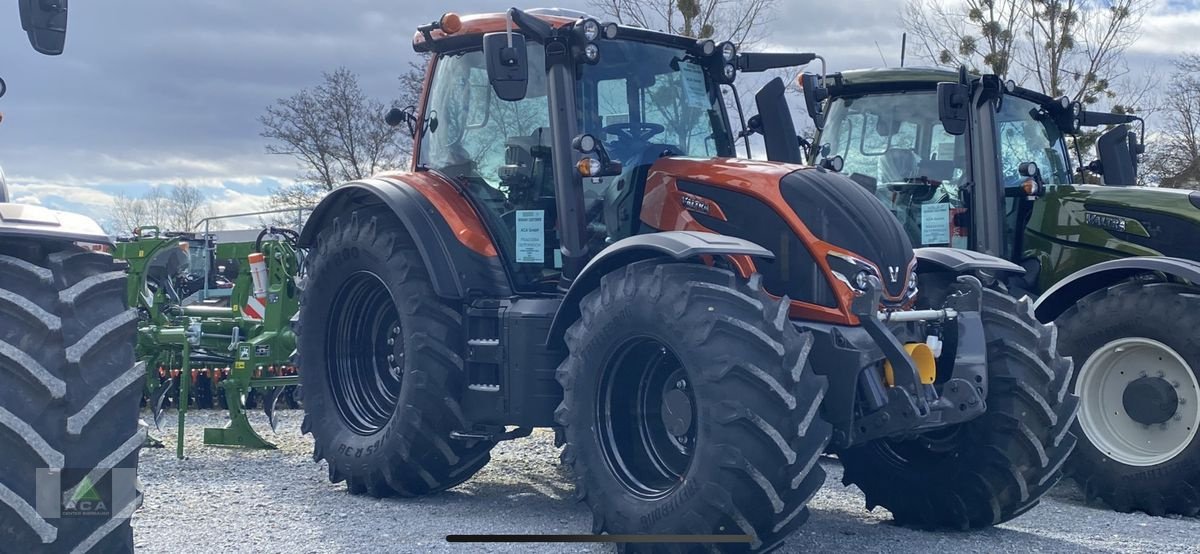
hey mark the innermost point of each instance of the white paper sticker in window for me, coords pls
(935, 224)
(694, 91)
(531, 237)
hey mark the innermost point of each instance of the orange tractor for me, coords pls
(575, 246)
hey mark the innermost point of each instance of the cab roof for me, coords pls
(476, 24)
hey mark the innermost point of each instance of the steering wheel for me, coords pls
(626, 131)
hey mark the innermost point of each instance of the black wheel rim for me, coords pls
(364, 353)
(646, 414)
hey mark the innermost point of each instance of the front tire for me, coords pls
(997, 466)
(381, 371)
(689, 407)
(68, 399)
(1136, 342)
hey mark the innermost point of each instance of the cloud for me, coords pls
(151, 93)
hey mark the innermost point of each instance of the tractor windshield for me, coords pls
(643, 95)
(895, 146)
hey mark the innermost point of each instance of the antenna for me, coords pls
(903, 47)
(881, 58)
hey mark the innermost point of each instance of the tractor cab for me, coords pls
(909, 136)
(622, 97)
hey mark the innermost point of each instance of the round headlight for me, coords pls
(912, 282)
(728, 51)
(587, 144)
(1064, 102)
(591, 52)
(610, 31)
(862, 279)
(707, 47)
(729, 72)
(588, 166)
(1010, 85)
(591, 29)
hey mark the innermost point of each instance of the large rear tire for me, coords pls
(690, 408)
(997, 466)
(1139, 359)
(68, 400)
(381, 369)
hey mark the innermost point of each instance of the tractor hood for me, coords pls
(822, 227)
(36, 222)
(1126, 220)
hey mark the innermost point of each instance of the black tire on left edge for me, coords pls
(69, 397)
(997, 466)
(368, 305)
(747, 439)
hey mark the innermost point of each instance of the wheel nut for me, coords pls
(681, 384)
(391, 357)
(391, 342)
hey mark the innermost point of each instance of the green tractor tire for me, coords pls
(1138, 380)
(69, 428)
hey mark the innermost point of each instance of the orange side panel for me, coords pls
(453, 208)
(666, 207)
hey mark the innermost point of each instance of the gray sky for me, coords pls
(151, 92)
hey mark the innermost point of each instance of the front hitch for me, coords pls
(908, 405)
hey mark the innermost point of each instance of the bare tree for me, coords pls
(126, 213)
(170, 208)
(1077, 47)
(334, 131)
(186, 206)
(738, 21)
(1173, 157)
(1074, 48)
(980, 34)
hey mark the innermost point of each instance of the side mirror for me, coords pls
(815, 93)
(507, 64)
(775, 121)
(396, 116)
(1118, 159)
(952, 107)
(45, 21)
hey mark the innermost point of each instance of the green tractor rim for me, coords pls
(1138, 401)
(364, 353)
(646, 414)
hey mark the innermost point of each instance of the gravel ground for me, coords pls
(233, 500)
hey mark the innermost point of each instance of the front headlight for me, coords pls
(855, 273)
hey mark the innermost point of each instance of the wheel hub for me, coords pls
(677, 412)
(1150, 400)
(1138, 401)
(646, 417)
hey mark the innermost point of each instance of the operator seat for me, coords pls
(898, 165)
(622, 199)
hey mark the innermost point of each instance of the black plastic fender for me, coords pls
(956, 260)
(454, 269)
(677, 245)
(1068, 291)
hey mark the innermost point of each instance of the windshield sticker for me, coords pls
(935, 224)
(694, 91)
(531, 236)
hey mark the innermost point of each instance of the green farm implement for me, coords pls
(215, 324)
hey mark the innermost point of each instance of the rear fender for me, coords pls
(1065, 293)
(459, 262)
(675, 245)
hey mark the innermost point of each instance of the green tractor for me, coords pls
(69, 429)
(977, 163)
(215, 324)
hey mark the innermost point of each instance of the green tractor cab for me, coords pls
(971, 162)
